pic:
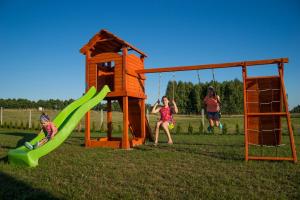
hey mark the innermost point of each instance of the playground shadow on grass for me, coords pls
(12, 188)
(208, 152)
(25, 137)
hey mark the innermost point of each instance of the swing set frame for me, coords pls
(109, 61)
(248, 114)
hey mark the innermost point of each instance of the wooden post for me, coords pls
(29, 121)
(202, 115)
(125, 139)
(244, 71)
(1, 116)
(88, 114)
(147, 114)
(109, 119)
(143, 118)
(292, 141)
(124, 67)
(101, 118)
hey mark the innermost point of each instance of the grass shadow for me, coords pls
(26, 136)
(205, 151)
(12, 188)
(4, 159)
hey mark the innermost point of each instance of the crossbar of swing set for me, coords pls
(214, 66)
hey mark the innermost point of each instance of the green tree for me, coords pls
(190, 129)
(237, 129)
(224, 129)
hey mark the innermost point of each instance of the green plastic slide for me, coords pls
(65, 121)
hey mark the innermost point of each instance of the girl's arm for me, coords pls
(175, 106)
(218, 99)
(54, 130)
(205, 99)
(155, 109)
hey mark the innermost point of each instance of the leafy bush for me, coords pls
(11, 125)
(178, 129)
(102, 129)
(119, 128)
(190, 129)
(93, 127)
(224, 130)
(237, 129)
(201, 130)
(5, 125)
(37, 127)
(17, 125)
(22, 126)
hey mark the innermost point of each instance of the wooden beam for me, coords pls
(87, 115)
(268, 114)
(213, 66)
(125, 138)
(285, 103)
(270, 158)
(109, 119)
(244, 72)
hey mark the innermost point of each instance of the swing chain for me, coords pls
(159, 79)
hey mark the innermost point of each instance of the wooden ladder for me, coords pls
(262, 120)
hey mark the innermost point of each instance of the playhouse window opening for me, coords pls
(106, 65)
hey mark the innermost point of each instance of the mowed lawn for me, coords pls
(195, 167)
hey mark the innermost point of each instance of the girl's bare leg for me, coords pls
(42, 142)
(211, 122)
(217, 122)
(157, 131)
(165, 126)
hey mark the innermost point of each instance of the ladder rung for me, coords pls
(267, 114)
(270, 158)
(260, 77)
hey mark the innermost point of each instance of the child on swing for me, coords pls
(213, 103)
(48, 127)
(166, 117)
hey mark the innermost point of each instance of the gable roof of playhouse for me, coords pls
(105, 41)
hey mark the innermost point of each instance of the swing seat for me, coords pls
(171, 125)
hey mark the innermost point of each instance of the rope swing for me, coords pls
(173, 87)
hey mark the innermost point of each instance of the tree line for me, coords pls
(26, 104)
(189, 96)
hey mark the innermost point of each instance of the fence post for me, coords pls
(29, 121)
(147, 114)
(1, 116)
(202, 115)
(101, 118)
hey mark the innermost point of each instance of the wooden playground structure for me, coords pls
(108, 62)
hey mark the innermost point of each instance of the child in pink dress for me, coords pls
(48, 127)
(213, 103)
(166, 117)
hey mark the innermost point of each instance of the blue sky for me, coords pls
(40, 40)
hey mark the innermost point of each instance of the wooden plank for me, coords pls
(244, 72)
(262, 77)
(131, 72)
(125, 138)
(285, 103)
(213, 66)
(87, 137)
(108, 144)
(270, 158)
(143, 118)
(109, 119)
(268, 114)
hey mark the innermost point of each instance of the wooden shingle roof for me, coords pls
(105, 41)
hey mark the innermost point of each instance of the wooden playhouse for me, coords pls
(109, 61)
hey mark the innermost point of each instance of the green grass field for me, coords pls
(195, 167)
